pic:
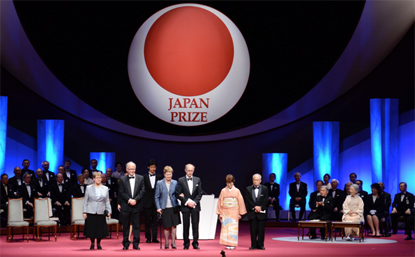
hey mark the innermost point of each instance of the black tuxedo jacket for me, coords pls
(338, 198)
(113, 187)
(408, 202)
(388, 201)
(275, 192)
(58, 196)
(363, 194)
(148, 200)
(378, 205)
(261, 200)
(73, 179)
(327, 209)
(10, 193)
(312, 201)
(301, 193)
(15, 184)
(31, 172)
(23, 192)
(41, 189)
(49, 176)
(77, 191)
(182, 187)
(125, 193)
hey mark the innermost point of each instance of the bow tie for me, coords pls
(190, 179)
(59, 184)
(132, 177)
(255, 187)
(151, 174)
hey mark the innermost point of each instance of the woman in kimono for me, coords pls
(230, 207)
(353, 211)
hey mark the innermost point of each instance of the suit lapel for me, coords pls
(194, 184)
(186, 185)
(135, 185)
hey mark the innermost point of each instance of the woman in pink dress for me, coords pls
(353, 211)
(230, 207)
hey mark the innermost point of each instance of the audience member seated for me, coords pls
(298, 192)
(78, 190)
(347, 188)
(323, 208)
(41, 184)
(338, 198)
(388, 201)
(374, 209)
(403, 205)
(17, 180)
(326, 179)
(61, 200)
(49, 175)
(353, 211)
(70, 174)
(362, 193)
(88, 179)
(274, 193)
(25, 169)
(6, 193)
(28, 192)
(313, 195)
(118, 171)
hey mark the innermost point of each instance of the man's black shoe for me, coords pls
(148, 241)
(155, 240)
(408, 238)
(136, 247)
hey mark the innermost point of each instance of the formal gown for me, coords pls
(230, 205)
(353, 204)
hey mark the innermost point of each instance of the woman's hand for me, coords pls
(239, 216)
(84, 215)
(220, 217)
(159, 211)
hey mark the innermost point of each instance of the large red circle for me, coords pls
(188, 51)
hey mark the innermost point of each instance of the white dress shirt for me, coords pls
(152, 179)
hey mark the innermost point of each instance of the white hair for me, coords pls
(260, 177)
(130, 163)
(325, 187)
(335, 180)
(356, 187)
(185, 166)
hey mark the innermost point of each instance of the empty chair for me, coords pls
(77, 219)
(15, 218)
(112, 222)
(41, 217)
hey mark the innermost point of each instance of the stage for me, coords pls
(278, 242)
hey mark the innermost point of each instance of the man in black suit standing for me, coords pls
(256, 201)
(150, 210)
(338, 198)
(78, 190)
(25, 169)
(323, 208)
(403, 205)
(298, 192)
(17, 180)
(189, 192)
(388, 201)
(60, 194)
(131, 192)
(70, 174)
(41, 183)
(49, 175)
(274, 193)
(353, 177)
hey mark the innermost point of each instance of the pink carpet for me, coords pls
(112, 247)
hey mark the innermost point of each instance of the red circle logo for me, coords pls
(188, 51)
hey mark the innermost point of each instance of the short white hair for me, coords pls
(260, 177)
(356, 187)
(335, 180)
(130, 163)
(325, 187)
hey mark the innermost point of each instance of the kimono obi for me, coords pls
(230, 202)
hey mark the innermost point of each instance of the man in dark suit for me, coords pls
(353, 177)
(28, 192)
(388, 201)
(131, 192)
(94, 164)
(70, 174)
(17, 180)
(362, 193)
(6, 192)
(112, 184)
(274, 193)
(338, 199)
(298, 192)
(78, 190)
(403, 205)
(41, 183)
(313, 195)
(256, 201)
(150, 210)
(66, 180)
(189, 192)
(323, 208)
(49, 175)
(60, 194)
(25, 169)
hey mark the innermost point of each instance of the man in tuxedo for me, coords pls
(78, 190)
(112, 184)
(41, 183)
(94, 164)
(150, 210)
(189, 192)
(6, 193)
(353, 177)
(69, 173)
(403, 205)
(274, 193)
(388, 201)
(60, 194)
(298, 192)
(362, 193)
(338, 198)
(131, 192)
(313, 195)
(256, 201)
(17, 180)
(66, 180)
(25, 169)
(49, 175)
(323, 208)
(28, 192)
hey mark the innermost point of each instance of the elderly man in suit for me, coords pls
(25, 169)
(16, 181)
(41, 183)
(403, 205)
(388, 201)
(78, 190)
(28, 192)
(6, 192)
(131, 192)
(298, 192)
(274, 193)
(61, 198)
(256, 201)
(189, 192)
(323, 208)
(70, 174)
(338, 198)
